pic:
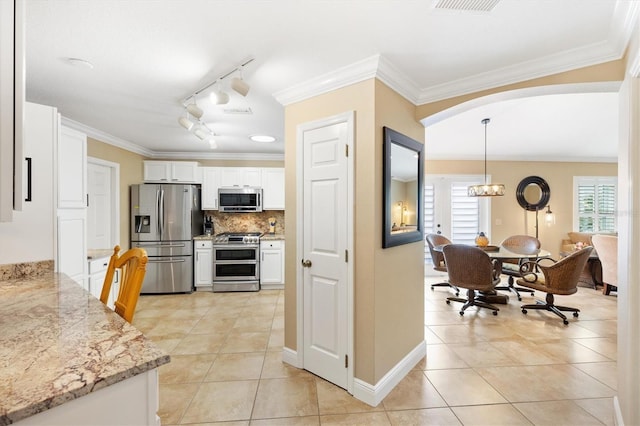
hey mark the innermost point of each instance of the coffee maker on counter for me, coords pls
(208, 226)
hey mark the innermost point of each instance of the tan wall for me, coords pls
(559, 176)
(398, 271)
(130, 173)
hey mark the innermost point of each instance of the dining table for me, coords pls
(500, 254)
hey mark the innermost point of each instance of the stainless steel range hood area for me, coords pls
(240, 199)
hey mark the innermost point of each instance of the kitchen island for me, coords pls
(65, 358)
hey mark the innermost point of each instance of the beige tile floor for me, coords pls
(479, 369)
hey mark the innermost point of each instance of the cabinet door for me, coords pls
(272, 262)
(210, 184)
(72, 244)
(230, 176)
(273, 188)
(72, 169)
(184, 172)
(156, 171)
(203, 264)
(251, 176)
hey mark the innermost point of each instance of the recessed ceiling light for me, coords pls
(262, 138)
(81, 63)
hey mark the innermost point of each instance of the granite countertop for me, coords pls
(272, 237)
(58, 343)
(99, 253)
(204, 237)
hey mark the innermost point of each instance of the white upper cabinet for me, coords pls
(171, 171)
(210, 185)
(240, 176)
(72, 170)
(273, 188)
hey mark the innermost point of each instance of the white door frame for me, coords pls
(349, 119)
(115, 196)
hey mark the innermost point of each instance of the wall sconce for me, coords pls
(549, 217)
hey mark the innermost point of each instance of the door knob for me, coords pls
(306, 263)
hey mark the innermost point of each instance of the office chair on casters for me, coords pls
(133, 265)
(471, 268)
(521, 244)
(558, 278)
(438, 258)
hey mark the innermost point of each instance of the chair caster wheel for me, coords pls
(431, 288)
(565, 322)
(524, 311)
(519, 299)
(457, 294)
(448, 302)
(575, 314)
(461, 313)
(495, 313)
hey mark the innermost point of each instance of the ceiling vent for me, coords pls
(244, 111)
(466, 5)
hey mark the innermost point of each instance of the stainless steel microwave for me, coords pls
(240, 199)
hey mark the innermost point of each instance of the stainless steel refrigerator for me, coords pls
(164, 220)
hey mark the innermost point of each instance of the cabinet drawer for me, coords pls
(276, 244)
(98, 265)
(203, 244)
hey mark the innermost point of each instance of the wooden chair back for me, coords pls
(522, 244)
(562, 276)
(133, 266)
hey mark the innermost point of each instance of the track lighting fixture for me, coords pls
(185, 122)
(218, 97)
(195, 110)
(240, 86)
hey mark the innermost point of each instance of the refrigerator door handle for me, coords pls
(154, 245)
(161, 213)
(167, 261)
(158, 220)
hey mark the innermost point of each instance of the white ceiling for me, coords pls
(150, 55)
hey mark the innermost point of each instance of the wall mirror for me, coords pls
(533, 193)
(403, 169)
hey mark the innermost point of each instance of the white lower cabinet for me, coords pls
(272, 264)
(97, 273)
(203, 265)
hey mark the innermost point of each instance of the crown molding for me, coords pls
(182, 155)
(186, 155)
(106, 137)
(524, 158)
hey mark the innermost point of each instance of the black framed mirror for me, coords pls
(533, 193)
(403, 209)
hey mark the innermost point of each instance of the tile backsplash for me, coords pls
(245, 222)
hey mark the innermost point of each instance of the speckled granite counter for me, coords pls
(272, 237)
(58, 343)
(204, 237)
(100, 253)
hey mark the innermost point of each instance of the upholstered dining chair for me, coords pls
(559, 278)
(521, 244)
(133, 266)
(437, 257)
(607, 248)
(471, 268)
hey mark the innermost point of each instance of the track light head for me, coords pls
(201, 133)
(219, 97)
(240, 86)
(185, 122)
(195, 110)
(213, 144)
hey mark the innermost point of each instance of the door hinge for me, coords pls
(346, 256)
(346, 361)
(346, 150)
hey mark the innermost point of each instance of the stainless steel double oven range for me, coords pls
(236, 261)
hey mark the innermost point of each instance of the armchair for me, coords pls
(521, 244)
(607, 248)
(438, 258)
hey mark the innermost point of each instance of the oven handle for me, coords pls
(235, 262)
(166, 261)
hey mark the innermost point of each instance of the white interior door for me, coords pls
(99, 211)
(325, 241)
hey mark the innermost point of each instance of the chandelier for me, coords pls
(486, 189)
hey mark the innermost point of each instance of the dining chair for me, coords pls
(437, 258)
(471, 268)
(559, 278)
(132, 265)
(607, 248)
(520, 244)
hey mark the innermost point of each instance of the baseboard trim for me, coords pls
(291, 357)
(374, 394)
(617, 412)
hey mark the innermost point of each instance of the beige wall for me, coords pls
(559, 176)
(130, 173)
(385, 300)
